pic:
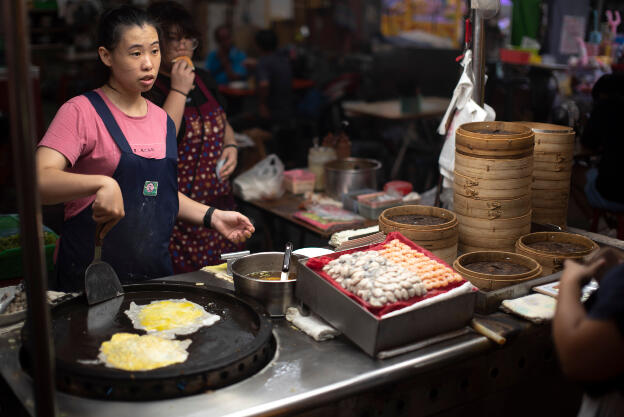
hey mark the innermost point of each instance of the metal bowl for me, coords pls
(350, 174)
(275, 296)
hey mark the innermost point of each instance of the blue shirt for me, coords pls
(236, 57)
(607, 303)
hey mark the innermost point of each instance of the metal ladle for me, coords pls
(286, 262)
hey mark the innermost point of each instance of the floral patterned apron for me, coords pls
(193, 247)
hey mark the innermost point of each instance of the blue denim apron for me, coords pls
(138, 246)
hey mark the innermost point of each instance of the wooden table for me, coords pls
(287, 205)
(430, 107)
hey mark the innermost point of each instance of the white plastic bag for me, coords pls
(462, 109)
(262, 181)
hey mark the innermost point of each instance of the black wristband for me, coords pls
(208, 217)
(231, 145)
(179, 91)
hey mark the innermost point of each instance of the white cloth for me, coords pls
(462, 109)
(535, 307)
(312, 325)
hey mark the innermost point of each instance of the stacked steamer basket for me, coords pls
(432, 228)
(492, 185)
(552, 169)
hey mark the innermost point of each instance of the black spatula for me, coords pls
(101, 280)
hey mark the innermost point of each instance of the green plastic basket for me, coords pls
(11, 259)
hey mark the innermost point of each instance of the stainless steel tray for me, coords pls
(374, 335)
(489, 301)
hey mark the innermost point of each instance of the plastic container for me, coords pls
(299, 181)
(398, 187)
(372, 205)
(318, 156)
(11, 259)
(349, 200)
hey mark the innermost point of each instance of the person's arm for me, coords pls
(182, 78)
(588, 349)
(58, 186)
(231, 224)
(229, 154)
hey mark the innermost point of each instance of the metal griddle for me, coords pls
(237, 346)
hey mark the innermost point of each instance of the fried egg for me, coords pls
(168, 318)
(132, 352)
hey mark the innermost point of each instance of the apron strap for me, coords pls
(109, 121)
(172, 141)
(204, 89)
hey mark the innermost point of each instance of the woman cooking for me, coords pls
(205, 138)
(110, 155)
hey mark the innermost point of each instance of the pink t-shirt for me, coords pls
(79, 133)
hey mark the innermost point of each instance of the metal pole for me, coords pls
(481, 10)
(478, 57)
(33, 258)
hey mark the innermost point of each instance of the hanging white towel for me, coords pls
(462, 109)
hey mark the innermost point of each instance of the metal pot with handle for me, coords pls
(350, 174)
(274, 294)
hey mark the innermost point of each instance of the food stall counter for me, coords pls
(303, 374)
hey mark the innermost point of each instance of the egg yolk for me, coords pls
(166, 315)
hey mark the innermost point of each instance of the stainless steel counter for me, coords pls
(303, 374)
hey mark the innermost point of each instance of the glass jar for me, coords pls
(318, 156)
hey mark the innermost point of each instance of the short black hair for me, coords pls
(169, 14)
(266, 39)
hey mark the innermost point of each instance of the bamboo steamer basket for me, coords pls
(488, 282)
(439, 239)
(549, 134)
(488, 165)
(550, 211)
(498, 169)
(492, 184)
(495, 223)
(479, 193)
(479, 241)
(448, 255)
(552, 261)
(556, 157)
(465, 232)
(495, 136)
(492, 233)
(539, 184)
(547, 195)
(493, 154)
(552, 175)
(552, 166)
(491, 209)
(463, 248)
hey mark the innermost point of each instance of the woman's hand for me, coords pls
(182, 76)
(108, 206)
(233, 225)
(229, 155)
